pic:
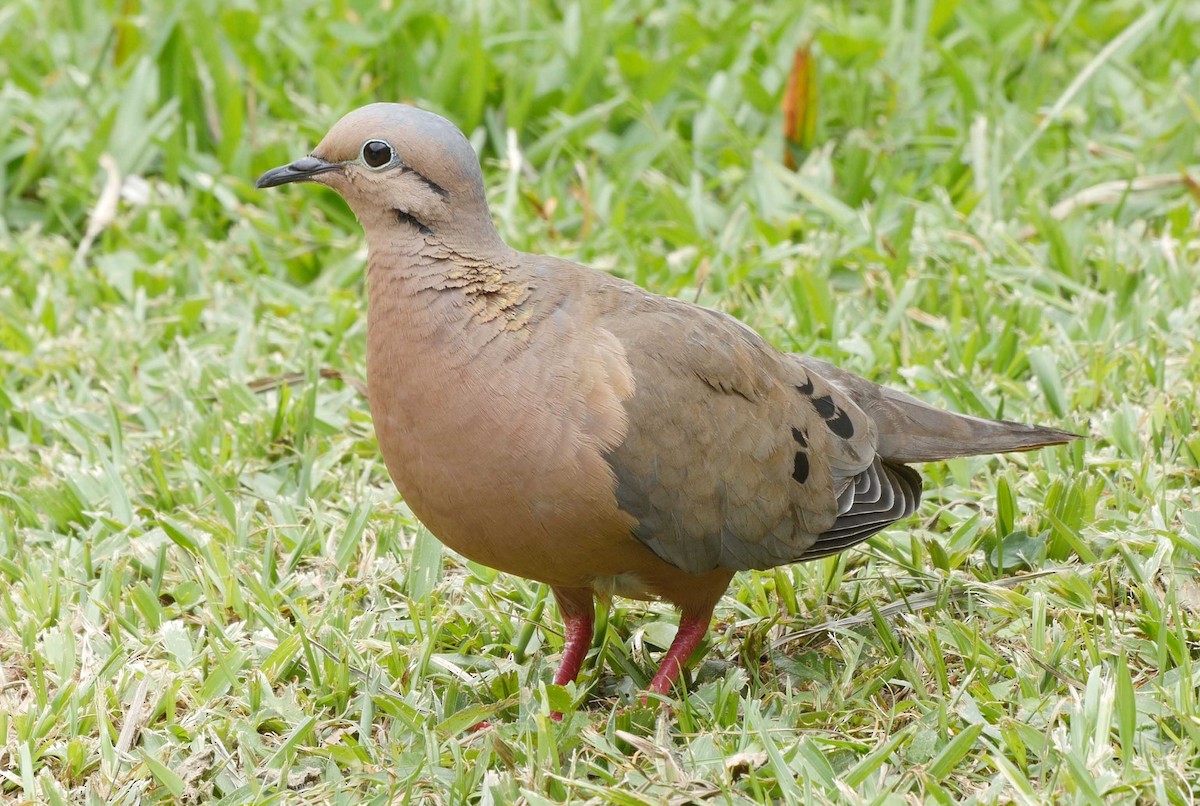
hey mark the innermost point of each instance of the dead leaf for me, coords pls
(652, 751)
(800, 106)
(741, 763)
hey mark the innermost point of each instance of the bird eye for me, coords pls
(376, 153)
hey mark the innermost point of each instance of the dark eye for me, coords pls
(376, 153)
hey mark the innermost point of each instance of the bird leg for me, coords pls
(579, 622)
(692, 629)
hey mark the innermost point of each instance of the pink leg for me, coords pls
(576, 643)
(692, 630)
(579, 623)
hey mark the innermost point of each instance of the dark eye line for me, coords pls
(434, 186)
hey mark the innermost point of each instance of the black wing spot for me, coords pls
(798, 435)
(800, 467)
(840, 424)
(806, 388)
(824, 406)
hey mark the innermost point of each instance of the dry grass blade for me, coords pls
(1115, 191)
(1132, 32)
(133, 716)
(910, 604)
(105, 210)
(260, 385)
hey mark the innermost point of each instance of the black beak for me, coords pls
(301, 170)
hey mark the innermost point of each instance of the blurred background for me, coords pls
(209, 588)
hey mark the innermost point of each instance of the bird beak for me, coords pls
(302, 170)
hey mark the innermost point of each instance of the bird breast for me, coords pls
(496, 434)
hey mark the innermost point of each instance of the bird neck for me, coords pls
(412, 234)
(465, 289)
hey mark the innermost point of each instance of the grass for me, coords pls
(209, 589)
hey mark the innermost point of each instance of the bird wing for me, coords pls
(735, 455)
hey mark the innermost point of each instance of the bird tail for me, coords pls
(917, 432)
(911, 431)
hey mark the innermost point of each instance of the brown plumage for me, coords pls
(557, 423)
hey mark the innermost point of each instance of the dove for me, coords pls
(561, 424)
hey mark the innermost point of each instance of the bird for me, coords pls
(556, 422)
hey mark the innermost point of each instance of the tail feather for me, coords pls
(912, 431)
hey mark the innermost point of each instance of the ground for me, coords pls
(210, 590)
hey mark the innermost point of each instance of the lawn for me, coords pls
(210, 590)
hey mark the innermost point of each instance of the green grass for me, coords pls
(210, 590)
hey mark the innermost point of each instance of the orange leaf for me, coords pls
(800, 105)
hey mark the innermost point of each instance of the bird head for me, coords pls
(400, 168)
